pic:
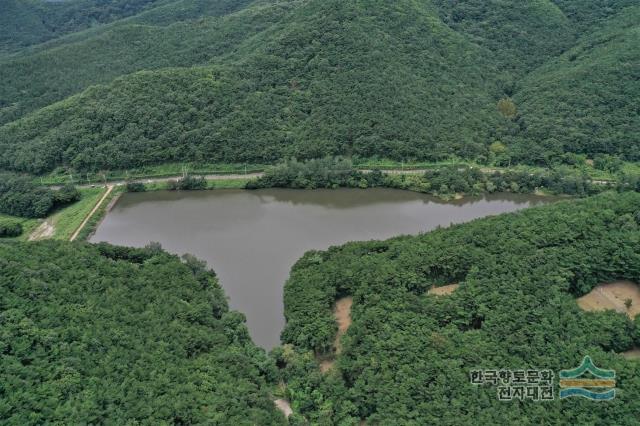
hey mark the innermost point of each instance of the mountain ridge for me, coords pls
(409, 80)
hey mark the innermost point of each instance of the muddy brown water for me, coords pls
(252, 238)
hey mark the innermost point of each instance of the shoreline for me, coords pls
(238, 184)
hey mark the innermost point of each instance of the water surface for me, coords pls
(252, 238)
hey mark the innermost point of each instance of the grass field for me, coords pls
(67, 220)
(227, 184)
(211, 184)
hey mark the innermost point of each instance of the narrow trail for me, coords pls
(91, 213)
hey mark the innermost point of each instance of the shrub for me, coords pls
(19, 196)
(329, 172)
(135, 187)
(609, 163)
(66, 195)
(187, 183)
(10, 229)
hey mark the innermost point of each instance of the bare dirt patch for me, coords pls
(632, 354)
(326, 364)
(613, 296)
(284, 406)
(43, 232)
(342, 313)
(343, 317)
(445, 290)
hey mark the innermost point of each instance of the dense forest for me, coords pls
(407, 357)
(19, 196)
(99, 334)
(111, 335)
(261, 81)
(29, 22)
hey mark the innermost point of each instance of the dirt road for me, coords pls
(91, 213)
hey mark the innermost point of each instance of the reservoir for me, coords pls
(253, 238)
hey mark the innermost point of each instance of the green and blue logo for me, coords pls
(599, 388)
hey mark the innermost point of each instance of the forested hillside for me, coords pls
(407, 356)
(56, 70)
(587, 99)
(520, 35)
(110, 335)
(29, 22)
(307, 88)
(256, 81)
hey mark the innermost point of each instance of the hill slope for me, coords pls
(586, 100)
(408, 355)
(51, 72)
(405, 80)
(359, 78)
(29, 22)
(110, 335)
(520, 35)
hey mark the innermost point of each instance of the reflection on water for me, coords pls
(252, 238)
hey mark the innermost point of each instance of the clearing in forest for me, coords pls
(342, 313)
(445, 290)
(620, 296)
(284, 406)
(632, 354)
